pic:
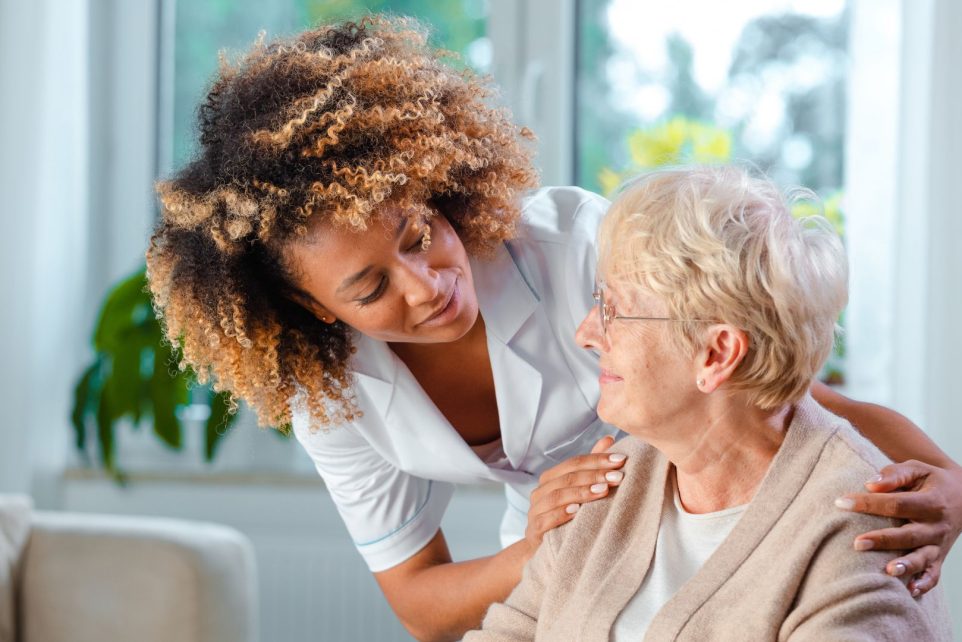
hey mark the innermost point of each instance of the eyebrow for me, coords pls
(358, 276)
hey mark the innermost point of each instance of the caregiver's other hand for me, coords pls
(564, 488)
(931, 499)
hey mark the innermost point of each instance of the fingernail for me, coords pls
(875, 480)
(571, 509)
(898, 570)
(617, 458)
(614, 475)
(845, 503)
(599, 488)
(864, 545)
(916, 592)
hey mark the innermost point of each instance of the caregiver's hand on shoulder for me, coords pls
(931, 499)
(565, 487)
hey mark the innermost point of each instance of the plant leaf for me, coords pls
(105, 429)
(84, 403)
(166, 395)
(123, 310)
(218, 423)
(124, 382)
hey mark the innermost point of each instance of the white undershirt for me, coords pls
(685, 542)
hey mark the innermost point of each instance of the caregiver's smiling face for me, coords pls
(389, 281)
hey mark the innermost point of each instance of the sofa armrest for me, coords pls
(90, 578)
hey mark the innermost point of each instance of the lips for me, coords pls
(447, 309)
(607, 376)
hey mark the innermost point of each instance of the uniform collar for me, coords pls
(505, 298)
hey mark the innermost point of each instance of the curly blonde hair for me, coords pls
(336, 123)
(719, 243)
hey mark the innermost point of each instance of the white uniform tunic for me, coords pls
(391, 472)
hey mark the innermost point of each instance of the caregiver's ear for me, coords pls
(310, 304)
(724, 347)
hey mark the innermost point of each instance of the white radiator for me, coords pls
(313, 584)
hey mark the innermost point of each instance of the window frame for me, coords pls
(534, 48)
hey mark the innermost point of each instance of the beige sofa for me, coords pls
(86, 578)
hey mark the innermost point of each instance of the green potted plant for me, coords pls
(134, 377)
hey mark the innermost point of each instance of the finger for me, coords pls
(913, 563)
(914, 505)
(568, 487)
(549, 520)
(543, 521)
(895, 476)
(927, 581)
(907, 537)
(593, 461)
(575, 487)
(603, 444)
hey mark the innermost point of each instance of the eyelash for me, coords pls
(374, 296)
(382, 285)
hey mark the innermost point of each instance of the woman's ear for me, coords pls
(725, 347)
(311, 305)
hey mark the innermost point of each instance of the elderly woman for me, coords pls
(716, 309)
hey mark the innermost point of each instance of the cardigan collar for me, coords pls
(789, 471)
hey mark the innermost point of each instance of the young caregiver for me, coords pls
(354, 251)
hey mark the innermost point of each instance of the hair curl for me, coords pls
(717, 243)
(334, 123)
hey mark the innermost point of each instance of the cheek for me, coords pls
(375, 320)
(446, 245)
(636, 358)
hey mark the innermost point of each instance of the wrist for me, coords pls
(519, 553)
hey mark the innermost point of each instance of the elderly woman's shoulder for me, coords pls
(841, 462)
(633, 447)
(642, 457)
(848, 459)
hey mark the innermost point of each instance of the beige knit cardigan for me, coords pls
(787, 571)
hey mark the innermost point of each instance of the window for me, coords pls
(689, 81)
(692, 80)
(202, 28)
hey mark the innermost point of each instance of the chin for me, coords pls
(466, 321)
(454, 330)
(606, 415)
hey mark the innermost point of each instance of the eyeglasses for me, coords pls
(607, 313)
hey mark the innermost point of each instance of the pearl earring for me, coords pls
(700, 383)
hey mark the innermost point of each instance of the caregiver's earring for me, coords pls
(328, 320)
(700, 383)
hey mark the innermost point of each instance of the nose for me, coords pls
(589, 334)
(421, 283)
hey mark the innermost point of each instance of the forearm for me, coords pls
(891, 432)
(442, 600)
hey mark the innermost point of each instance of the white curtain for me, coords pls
(77, 161)
(903, 178)
(43, 241)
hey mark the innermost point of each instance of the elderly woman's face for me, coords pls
(387, 284)
(645, 381)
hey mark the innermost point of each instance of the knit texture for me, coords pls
(787, 571)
